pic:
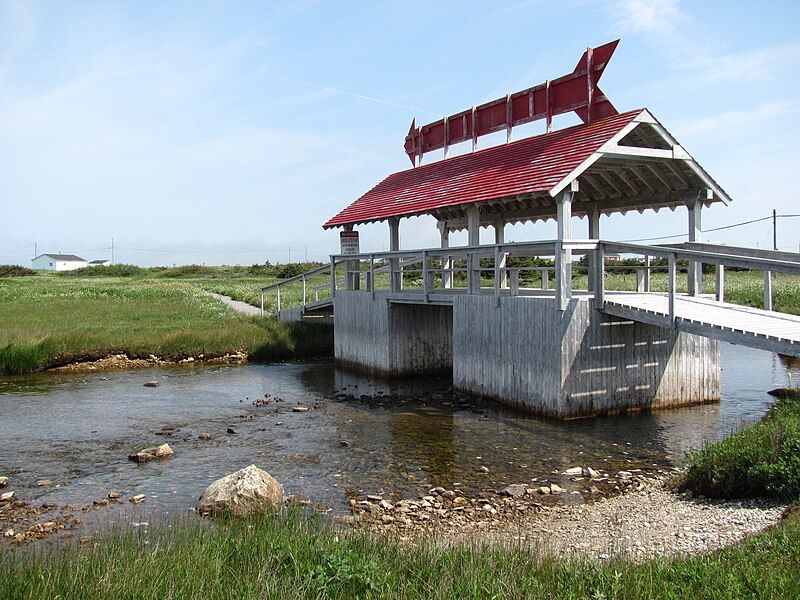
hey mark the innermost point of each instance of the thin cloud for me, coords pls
(736, 119)
(341, 92)
(688, 45)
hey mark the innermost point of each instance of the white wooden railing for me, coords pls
(447, 271)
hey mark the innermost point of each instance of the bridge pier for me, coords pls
(391, 340)
(525, 352)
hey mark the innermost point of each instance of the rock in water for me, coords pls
(151, 384)
(249, 490)
(3, 481)
(156, 452)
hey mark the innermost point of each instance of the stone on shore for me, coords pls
(249, 490)
(7, 497)
(154, 453)
(3, 481)
(514, 490)
(151, 384)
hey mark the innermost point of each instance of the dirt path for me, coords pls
(242, 307)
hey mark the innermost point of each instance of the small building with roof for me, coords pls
(58, 262)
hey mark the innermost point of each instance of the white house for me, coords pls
(58, 262)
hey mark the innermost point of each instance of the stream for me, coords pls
(404, 437)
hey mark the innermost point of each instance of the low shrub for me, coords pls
(294, 269)
(15, 271)
(760, 460)
(121, 270)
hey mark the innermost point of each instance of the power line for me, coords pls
(731, 226)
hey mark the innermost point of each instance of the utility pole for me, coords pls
(290, 254)
(35, 252)
(306, 247)
(774, 229)
(112, 250)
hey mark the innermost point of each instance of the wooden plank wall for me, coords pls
(611, 364)
(361, 331)
(578, 362)
(391, 339)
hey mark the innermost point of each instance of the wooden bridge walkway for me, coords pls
(706, 316)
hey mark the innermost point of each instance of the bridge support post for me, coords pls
(501, 257)
(563, 256)
(695, 272)
(767, 290)
(474, 239)
(447, 264)
(594, 234)
(395, 275)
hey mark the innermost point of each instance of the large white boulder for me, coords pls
(249, 490)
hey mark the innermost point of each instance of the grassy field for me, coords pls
(51, 319)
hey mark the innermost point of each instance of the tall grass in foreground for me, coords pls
(298, 557)
(760, 460)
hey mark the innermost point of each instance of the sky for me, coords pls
(223, 133)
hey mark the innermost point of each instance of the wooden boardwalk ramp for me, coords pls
(743, 325)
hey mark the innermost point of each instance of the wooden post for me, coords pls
(594, 234)
(545, 279)
(395, 275)
(671, 287)
(563, 256)
(767, 290)
(640, 280)
(333, 277)
(646, 273)
(695, 272)
(426, 288)
(447, 263)
(514, 283)
(721, 283)
(304, 290)
(474, 239)
(278, 311)
(600, 277)
(262, 303)
(500, 238)
(499, 266)
(372, 275)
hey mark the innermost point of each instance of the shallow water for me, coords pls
(78, 429)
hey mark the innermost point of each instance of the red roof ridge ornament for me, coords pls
(576, 92)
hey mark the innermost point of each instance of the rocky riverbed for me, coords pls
(115, 362)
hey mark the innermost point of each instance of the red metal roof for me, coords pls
(529, 165)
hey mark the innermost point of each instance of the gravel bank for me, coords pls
(640, 525)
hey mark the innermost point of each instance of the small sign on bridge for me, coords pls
(349, 242)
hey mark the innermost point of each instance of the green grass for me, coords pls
(299, 557)
(762, 459)
(50, 320)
